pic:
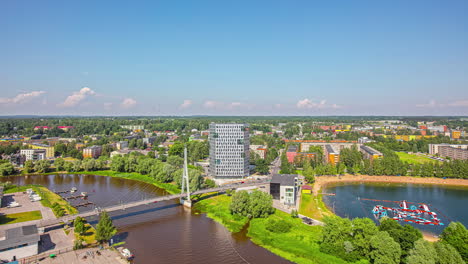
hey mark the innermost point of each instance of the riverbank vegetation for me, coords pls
(313, 206)
(361, 240)
(20, 217)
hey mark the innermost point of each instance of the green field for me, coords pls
(20, 217)
(413, 158)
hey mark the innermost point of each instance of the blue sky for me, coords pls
(234, 57)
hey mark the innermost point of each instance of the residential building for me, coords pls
(20, 242)
(128, 151)
(260, 150)
(50, 151)
(229, 150)
(42, 127)
(456, 134)
(65, 128)
(149, 140)
(283, 187)
(33, 154)
(133, 127)
(291, 153)
(331, 155)
(370, 153)
(122, 145)
(453, 151)
(92, 152)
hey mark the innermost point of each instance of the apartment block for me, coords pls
(33, 154)
(92, 152)
(331, 155)
(370, 153)
(229, 150)
(453, 151)
(50, 151)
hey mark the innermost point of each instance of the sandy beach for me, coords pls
(321, 181)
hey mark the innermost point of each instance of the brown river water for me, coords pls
(164, 232)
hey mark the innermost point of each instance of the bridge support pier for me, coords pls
(186, 203)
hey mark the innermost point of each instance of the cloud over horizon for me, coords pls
(309, 104)
(77, 97)
(21, 98)
(128, 103)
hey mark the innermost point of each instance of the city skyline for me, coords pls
(243, 58)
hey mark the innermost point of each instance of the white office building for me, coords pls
(229, 150)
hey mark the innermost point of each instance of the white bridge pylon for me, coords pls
(185, 182)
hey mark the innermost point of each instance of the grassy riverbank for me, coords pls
(313, 206)
(217, 208)
(49, 198)
(299, 245)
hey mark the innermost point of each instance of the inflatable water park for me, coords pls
(418, 213)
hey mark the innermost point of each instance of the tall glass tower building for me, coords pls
(229, 150)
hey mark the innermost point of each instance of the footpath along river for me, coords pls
(165, 232)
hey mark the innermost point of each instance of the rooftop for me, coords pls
(19, 236)
(284, 179)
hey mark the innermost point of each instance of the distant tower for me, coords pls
(229, 151)
(185, 182)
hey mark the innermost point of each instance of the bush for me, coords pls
(278, 226)
(294, 214)
(78, 244)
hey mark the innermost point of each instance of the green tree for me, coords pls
(404, 235)
(456, 235)
(28, 166)
(308, 172)
(177, 149)
(42, 166)
(175, 161)
(79, 225)
(105, 229)
(446, 254)
(384, 250)
(261, 166)
(59, 164)
(240, 203)
(422, 253)
(6, 169)
(260, 204)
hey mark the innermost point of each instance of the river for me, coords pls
(159, 233)
(447, 201)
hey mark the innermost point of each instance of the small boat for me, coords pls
(84, 194)
(74, 189)
(127, 254)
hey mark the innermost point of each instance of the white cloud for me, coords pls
(77, 97)
(309, 104)
(211, 104)
(128, 103)
(186, 104)
(21, 98)
(432, 103)
(462, 103)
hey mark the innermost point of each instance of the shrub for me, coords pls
(278, 226)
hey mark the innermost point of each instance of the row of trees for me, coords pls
(351, 161)
(361, 239)
(170, 171)
(256, 204)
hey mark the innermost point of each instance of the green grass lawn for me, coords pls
(414, 159)
(313, 206)
(89, 236)
(217, 208)
(20, 217)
